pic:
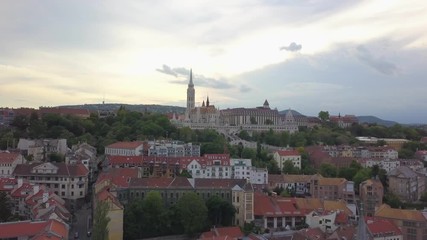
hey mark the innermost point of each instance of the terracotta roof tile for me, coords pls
(385, 211)
(126, 145)
(381, 226)
(69, 170)
(8, 158)
(29, 229)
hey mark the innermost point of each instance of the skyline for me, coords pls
(348, 57)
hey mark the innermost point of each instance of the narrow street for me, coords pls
(82, 223)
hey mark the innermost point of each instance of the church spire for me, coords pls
(190, 84)
(207, 102)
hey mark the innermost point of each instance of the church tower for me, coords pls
(190, 97)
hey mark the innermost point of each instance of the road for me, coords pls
(82, 223)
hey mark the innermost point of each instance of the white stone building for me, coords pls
(282, 156)
(8, 162)
(125, 149)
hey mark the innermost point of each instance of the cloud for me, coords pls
(245, 89)
(199, 80)
(383, 66)
(293, 47)
(167, 70)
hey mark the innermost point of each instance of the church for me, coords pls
(206, 114)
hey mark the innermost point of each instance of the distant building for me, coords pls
(332, 188)
(412, 223)
(125, 149)
(406, 184)
(26, 230)
(282, 156)
(345, 121)
(8, 162)
(67, 181)
(40, 149)
(63, 111)
(371, 194)
(383, 229)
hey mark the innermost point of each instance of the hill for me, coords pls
(131, 107)
(373, 119)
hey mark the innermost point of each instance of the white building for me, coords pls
(282, 156)
(387, 165)
(66, 180)
(39, 149)
(243, 169)
(125, 149)
(173, 149)
(323, 220)
(8, 162)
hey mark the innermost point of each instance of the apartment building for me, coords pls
(8, 162)
(69, 181)
(282, 156)
(125, 149)
(406, 184)
(371, 193)
(412, 223)
(332, 188)
(40, 149)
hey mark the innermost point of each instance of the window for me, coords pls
(63, 186)
(81, 193)
(72, 193)
(72, 186)
(62, 193)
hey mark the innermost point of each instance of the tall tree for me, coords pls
(220, 212)
(5, 207)
(192, 212)
(100, 221)
(324, 116)
(154, 214)
(289, 168)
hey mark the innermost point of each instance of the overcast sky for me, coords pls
(348, 57)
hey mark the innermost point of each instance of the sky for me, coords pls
(345, 57)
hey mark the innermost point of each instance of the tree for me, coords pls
(220, 212)
(133, 215)
(324, 116)
(5, 207)
(253, 120)
(423, 197)
(289, 168)
(328, 170)
(100, 221)
(193, 213)
(154, 214)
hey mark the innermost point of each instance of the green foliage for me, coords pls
(100, 221)
(154, 215)
(220, 212)
(328, 170)
(56, 157)
(5, 207)
(133, 218)
(324, 116)
(289, 168)
(423, 197)
(392, 200)
(193, 213)
(361, 175)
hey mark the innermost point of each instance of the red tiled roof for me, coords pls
(64, 111)
(69, 170)
(30, 229)
(126, 145)
(378, 226)
(8, 158)
(7, 184)
(105, 195)
(119, 176)
(150, 182)
(222, 233)
(121, 160)
(288, 153)
(274, 206)
(22, 191)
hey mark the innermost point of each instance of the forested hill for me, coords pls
(130, 107)
(378, 121)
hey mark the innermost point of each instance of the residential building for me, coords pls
(34, 230)
(421, 155)
(66, 180)
(395, 143)
(243, 202)
(406, 184)
(298, 184)
(40, 149)
(231, 233)
(8, 162)
(276, 213)
(282, 156)
(332, 188)
(371, 193)
(125, 149)
(412, 223)
(172, 149)
(382, 229)
(387, 165)
(6, 116)
(243, 169)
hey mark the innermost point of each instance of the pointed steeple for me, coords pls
(190, 84)
(203, 104)
(207, 102)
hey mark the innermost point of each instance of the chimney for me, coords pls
(20, 182)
